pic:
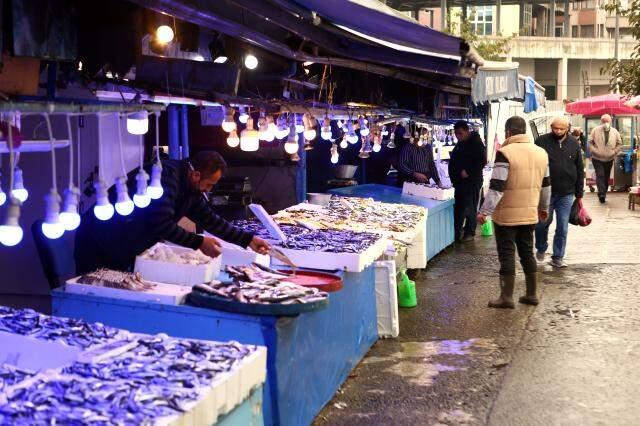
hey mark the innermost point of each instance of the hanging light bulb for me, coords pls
(325, 131)
(377, 147)
(138, 123)
(229, 124)
(291, 146)
(69, 216)
(366, 145)
(364, 130)
(164, 34)
(363, 154)
(52, 228)
(3, 196)
(340, 124)
(352, 137)
(309, 127)
(299, 124)
(124, 205)
(283, 129)
(19, 190)
(233, 140)
(249, 138)
(11, 233)
(141, 198)
(103, 208)
(251, 62)
(392, 139)
(385, 131)
(334, 154)
(154, 190)
(243, 117)
(272, 128)
(344, 144)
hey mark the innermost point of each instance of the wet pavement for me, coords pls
(572, 359)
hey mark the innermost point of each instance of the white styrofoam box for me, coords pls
(233, 255)
(177, 273)
(418, 190)
(387, 299)
(416, 259)
(350, 262)
(165, 294)
(635, 190)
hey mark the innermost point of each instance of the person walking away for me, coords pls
(518, 198)
(416, 164)
(604, 144)
(467, 161)
(566, 169)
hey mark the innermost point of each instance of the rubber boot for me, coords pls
(532, 284)
(505, 301)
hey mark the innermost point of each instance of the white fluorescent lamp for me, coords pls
(3, 196)
(10, 232)
(364, 130)
(19, 191)
(250, 61)
(233, 140)
(103, 208)
(249, 138)
(52, 228)
(164, 34)
(229, 123)
(141, 198)
(220, 59)
(291, 146)
(325, 130)
(138, 123)
(69, 216)
(124, 205)
(154, 189)
(243, 115)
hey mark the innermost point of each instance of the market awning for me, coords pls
(500, 80)
(611, 104)
(377, 22)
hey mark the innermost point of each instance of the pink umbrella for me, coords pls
(605, 104)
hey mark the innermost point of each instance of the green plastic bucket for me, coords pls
(487, 228)
(406, 292)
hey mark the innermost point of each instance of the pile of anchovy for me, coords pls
(10, 376)
(116, 279)
(163, 253)
(331, 241)
(252, 284)
(73, 332)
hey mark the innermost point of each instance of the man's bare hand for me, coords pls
(464, 174)
(210, 247)
(482, 219)
(259, 245)
(543, 215)
(420, 177)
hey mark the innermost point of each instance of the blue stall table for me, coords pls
(308, 356)
(440, 229)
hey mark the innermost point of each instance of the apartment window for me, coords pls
(586, 31)
(559, 30)
(482, 20)
(585, 4)
(601, 32)
(574, 31)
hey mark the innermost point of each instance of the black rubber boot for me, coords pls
(505, 301)
(532, 283)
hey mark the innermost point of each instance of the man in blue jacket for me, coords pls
(468, 159)
(567, 183)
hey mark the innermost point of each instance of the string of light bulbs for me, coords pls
(10, 231)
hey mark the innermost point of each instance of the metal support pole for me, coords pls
(552, 18)
(521, 19)
(617, 40)
(301, 173)
(465, 13)
(498, 16)
(174, 132)
(443, 15)
(184, 130)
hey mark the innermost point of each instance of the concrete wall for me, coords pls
(526, 66)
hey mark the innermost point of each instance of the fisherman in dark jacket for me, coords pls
(567, 183)
(468, 159)
(115, 243)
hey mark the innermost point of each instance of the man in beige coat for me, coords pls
(604, 144)
(518, 198)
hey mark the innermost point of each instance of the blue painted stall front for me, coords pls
(440, 230)
(308, 356)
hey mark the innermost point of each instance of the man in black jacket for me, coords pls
(115, 243)
(468, 159)
(567, 183)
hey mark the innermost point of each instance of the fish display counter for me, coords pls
(439, 229)
(96, 374)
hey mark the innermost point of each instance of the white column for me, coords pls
(561, 89)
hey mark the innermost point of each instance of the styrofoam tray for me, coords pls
(350, 262)
(418, 190)
(165, 294)
(177, 273)
(387, 299)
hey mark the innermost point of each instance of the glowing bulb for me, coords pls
(69, 216)
(164, 34)
(103, 208)
(384, 131)
(11, 233)
(352, 138)
(52, 228)
(310, 134)
(283, 133)
(364, 130)
(221, 60)
(154, 190)
(229, 124)
(138, 123)
(53, 231)
(267, 136)
(377, 147)
(334, 158)
(291, 147)
(299, 124)
(243, 117)
(124, 205)
(3, 197)
(250, 62)
(249, 138)
(233, 140)
(272, 128)
(19, 190)
(344, 144)
(141, 198)
(340, 124)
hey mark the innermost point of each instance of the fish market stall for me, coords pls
(98, 374)
(439, 232)
(256, 305)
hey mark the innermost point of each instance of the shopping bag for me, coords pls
(579, 215)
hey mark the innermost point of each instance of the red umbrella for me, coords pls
(605, 104)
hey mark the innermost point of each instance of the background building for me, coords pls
(562, 45)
